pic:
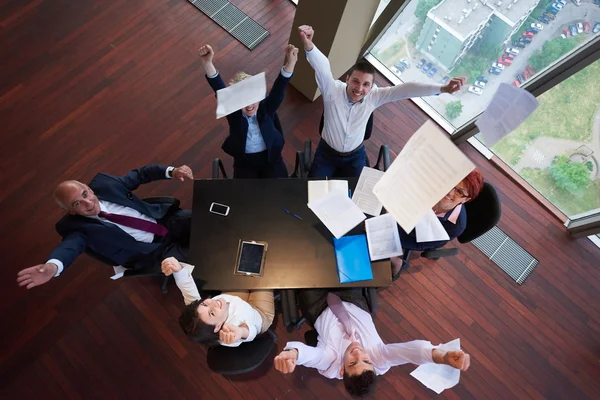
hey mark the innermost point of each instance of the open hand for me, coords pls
(36, 275)
(454, 85)
(457, 359)
(306, 35)
(206, 54)
(183, 172)
(285, 362)
(170, 265)
(230, 334)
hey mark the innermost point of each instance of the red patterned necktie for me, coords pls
(342, 314)
(136, 223)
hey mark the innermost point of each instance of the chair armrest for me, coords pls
(307, 155)
(383, 158)
(299, 170)
(437, 253)
(218, 166)
(172, 201)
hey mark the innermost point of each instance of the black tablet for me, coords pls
(251, 258)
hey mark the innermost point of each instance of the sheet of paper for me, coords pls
(119, 271)
(510, 106)
(363, 195)
(337, 212)
(382, 237)
(241, 94)
(318, 189)
(439, 377)
(426, 169)
(430, 229)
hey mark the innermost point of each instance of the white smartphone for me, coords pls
(220, 209)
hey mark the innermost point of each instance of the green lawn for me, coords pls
(568, 202)
(392, 54)
(565, 112)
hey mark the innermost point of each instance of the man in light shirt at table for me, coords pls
(348, 106)
(349, 346)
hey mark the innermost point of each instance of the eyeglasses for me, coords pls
(461, 193)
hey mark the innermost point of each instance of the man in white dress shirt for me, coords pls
(348, 106)
(350, 348)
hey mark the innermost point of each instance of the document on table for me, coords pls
(337, 212)
(438, 377)
(426, 169)
(382, 237)
(430, 229)
(363, 196)
(318, 189)
(241, 94)
(510, 106)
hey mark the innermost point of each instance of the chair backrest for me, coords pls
(242, 359)
(483, 214)
(368, 129)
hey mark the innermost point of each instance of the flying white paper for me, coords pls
(430, 229)
(439, 377)
(426, 169)
(241, 94)
(509, 107)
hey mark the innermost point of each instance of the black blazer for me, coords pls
(235, 143)
(80, 233)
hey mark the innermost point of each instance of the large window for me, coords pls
(488, 41)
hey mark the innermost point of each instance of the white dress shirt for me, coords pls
(327, 357)
(112, 208)
(345, 122)
(240, 311)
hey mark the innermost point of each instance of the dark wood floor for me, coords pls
(93, 86)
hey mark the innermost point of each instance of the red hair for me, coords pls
(473, 184)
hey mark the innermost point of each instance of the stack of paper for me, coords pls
(363, 196)
(438, 377)
(318, 189)
(428, 167)
(337, 212)
(383, 237)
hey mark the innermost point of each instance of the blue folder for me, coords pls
(352, 257)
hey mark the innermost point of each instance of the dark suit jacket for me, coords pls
(409, 240)
(235, 144)
(111, 242)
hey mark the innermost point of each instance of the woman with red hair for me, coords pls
(451, 214)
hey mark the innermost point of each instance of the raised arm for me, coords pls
(182, 273)
(420, 352)
(150, 173)
(383, 95)
(206, 54)
(317, 60)
(297, 353)
(275, 96)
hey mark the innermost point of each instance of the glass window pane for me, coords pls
(488, 42)
(557, 150)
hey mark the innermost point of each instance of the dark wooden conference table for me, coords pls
(300, 253)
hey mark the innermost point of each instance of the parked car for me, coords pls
(421, 63)
(539, 27)
(552, 10)
(399, 66)
(512, 50)
(475, 90)
(525, 40)
(573, 30)
(558, 6)
(495, 71)
(586, 27)
(431, 72)
(549, 15)
(444, 80)
(566, 32)
(596, 27)
(516, 83)
(505, 61)
(509, 56)
(532, 30)
(497, 65)
(563, 2)
(527, 34)
(521, 78)
(479, 84)
(426, 68)
(519, 44)
(544, 19)
(579, 27)
(482, 79)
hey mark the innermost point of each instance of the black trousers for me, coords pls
(257, 166)
(313, 302)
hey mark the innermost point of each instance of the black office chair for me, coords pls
(242, 359)
(483, 214)
(174, 203)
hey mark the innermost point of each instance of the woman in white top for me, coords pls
(228, 319)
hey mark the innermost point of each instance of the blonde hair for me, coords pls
(240, 76)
